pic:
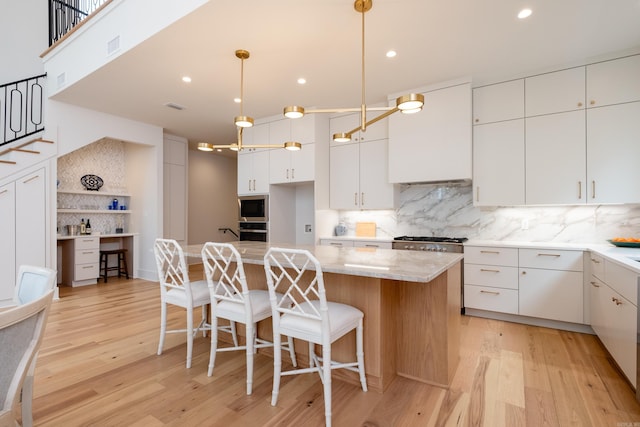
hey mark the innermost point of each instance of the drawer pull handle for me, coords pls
(372, 246)
(490, 252)
(489, 270)
(595, 261)
(31, 179)
(553, 255)
(88, 253)
(490, 292)
(335, 244)
(87, 267)
(594, 284)
(4, 191)
(524, 272)
(616, 300)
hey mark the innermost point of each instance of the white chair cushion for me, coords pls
(342, 319)
(199, 294)
(260, 306)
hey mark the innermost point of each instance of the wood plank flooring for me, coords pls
(98, 367)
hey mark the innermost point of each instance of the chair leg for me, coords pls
(326, 376)
(214, 345)
(360, 356)
(27, 396)
(251, 339)
(163, 326)
(189, 337)
(277, 367)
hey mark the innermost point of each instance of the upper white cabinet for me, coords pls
(613, 150)
(358, 178)
(498, 102)
(253, 172)
(555, 92)
(613, 82)
(292, 166)
(347, 122)
(498, 163)
(555, 153)
(434, 144)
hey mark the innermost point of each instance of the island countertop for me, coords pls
(409, 266)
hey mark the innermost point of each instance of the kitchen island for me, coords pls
(410, 301)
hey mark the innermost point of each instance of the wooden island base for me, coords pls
(411, 329)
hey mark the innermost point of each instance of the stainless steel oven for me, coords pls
(253, 208)
(254, 231)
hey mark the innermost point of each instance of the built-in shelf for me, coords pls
(96, 211)
(94, 193)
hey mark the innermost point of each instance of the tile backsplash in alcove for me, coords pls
(106, 159)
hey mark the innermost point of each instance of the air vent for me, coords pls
(175, 106)
(61, 80)
(113, 45)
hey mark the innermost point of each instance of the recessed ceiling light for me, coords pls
(391, 54)
(302, 81)
(524, 13)
(237, 100)
(186, 79)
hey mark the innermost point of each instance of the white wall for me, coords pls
(22, 44)
(213, 200)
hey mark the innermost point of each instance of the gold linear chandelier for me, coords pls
(407, 104)
(243, 121)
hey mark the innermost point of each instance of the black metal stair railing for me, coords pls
(66, 14)
(21, 108)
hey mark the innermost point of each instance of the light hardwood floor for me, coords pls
(98, 367)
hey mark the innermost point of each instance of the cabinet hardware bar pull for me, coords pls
(490, 252)
(249, 185)
(554, 255)
(361, 199)
(355, 199)
(490, 292)
(594, 284)
(287, 175)
(593, 189)
(490, 271)
(254, 185)
(293, 173)
(31, 179)
(477, 194)
(372, 246)
(595, 261)
(4, 191)
(335, 244)
(87, 266)
(579, 189)
(88, 253)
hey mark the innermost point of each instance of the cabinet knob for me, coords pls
(592, 102)
(579, 104)
(594, 284)
(477, 120)
(524, 272)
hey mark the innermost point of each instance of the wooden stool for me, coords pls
(121, 268)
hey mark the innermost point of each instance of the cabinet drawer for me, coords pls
(336, 242)
(491, 275)
(491, 256)
(86, 271)
(87, 243)
(551, 259)
(622, 280)
(597, 266)
(87, 256)
(492, 299)
(371, 244)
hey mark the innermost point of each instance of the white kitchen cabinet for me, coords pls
(340, 243)
(555, 92)
(253, 172)
(345, 123)
(499, 164)
(498, 102)
(175, 188)
(613, 151)
(30, 221)
(357, 243)
(555, 159)
(358, 177)
(597, 266)
(614, 317)
(292, 166)
(86, 257)
(434, 144)
(372, 244)
(8, 241)
(613, 82)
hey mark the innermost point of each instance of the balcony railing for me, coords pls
(64, 15)
(21, 108)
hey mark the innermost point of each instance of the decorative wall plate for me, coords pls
(92, 182)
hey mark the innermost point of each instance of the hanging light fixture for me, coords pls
(407, 104)
(243, 121)
(205, 146)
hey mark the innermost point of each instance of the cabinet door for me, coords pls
(245, 173)
(303, 164)
(498, 102)
(279, 166)
(498, 164)
(613, 82)
(303, 129)
(551, 294)
(261, 171)
(434, 144)
(175, 202)
(344, 176)
(280, 131)
(347, 122)
(612, 154)
(598, 295)
(555, 92)
(555, 159)
(31, 219)
(7, 241)
(375, 190)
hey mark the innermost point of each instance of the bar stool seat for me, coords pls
(121, 268)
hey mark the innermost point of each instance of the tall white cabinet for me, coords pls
(175, 195)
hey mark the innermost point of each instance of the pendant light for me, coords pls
(407, 104)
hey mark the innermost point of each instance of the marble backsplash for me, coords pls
(447, 210)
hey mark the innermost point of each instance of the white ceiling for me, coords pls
(436, 41)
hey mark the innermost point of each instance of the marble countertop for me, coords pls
(410, 266)
(356, 238)
(626, 257)
(102, 236)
